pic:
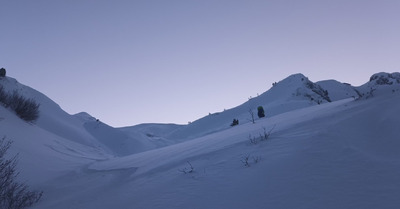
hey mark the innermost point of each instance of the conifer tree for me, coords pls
(260, 112)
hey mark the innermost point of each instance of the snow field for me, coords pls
(342, 154)
(321, 156)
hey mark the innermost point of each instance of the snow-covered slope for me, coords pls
(338, 91)
(44, 155)
(81, 128)
(342, 154)
(294, 92)
(338, 154)
(52, 117)
(151, 136)
(380, 82)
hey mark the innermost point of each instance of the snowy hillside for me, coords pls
(294, 92)
(380, 82)
(81, 128)
(338, 91)
(340, 153)
(52, 117)
(151, 136)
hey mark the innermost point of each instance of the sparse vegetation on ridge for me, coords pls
(26, 109)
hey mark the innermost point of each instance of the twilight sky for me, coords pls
(173, 61)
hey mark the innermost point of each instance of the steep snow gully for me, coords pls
(332, 145)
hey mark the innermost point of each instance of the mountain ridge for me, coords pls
(317, 152)
(294, 92)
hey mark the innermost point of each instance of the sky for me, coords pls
(127, 62)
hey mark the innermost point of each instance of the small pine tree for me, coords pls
(2, 72)
(260, 112)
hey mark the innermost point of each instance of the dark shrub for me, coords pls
(235, 122)
(26, 109)
(260, 112)
(2, 72)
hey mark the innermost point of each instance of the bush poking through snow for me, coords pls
(13, 195)
(235, 122)
(256, 159)
(253, 139)
(252, 115)
(266, 133)
(186, 170)
(246, 160)
(26, 109)
(264, 136)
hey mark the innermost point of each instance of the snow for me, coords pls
(289, 94)
(151, 136)
(339, 154)
(338, 91)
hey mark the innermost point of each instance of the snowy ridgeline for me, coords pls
(329, 145)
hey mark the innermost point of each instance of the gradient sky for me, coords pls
(129, 62)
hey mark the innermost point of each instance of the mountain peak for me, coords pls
(84, 116)
(384, 78)
(294, 78)
(300, 85)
